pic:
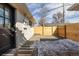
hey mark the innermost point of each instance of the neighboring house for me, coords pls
(74, 7)
(18, 19)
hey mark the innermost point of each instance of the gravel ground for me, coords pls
(56, 47)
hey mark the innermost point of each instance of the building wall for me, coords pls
(23, 31)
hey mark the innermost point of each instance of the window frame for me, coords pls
(4, 16)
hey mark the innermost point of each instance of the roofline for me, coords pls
(23, 9)
(74, 7)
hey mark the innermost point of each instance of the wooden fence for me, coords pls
(43, 31)
(70, 31)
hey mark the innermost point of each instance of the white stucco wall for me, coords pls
(28, 32)
(22, 34)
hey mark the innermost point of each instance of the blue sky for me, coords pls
(35, 9)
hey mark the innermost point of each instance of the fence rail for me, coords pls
(70, 31)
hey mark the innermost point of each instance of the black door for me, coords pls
(7, 27)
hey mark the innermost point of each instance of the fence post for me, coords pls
(57, 32)
(65, 30)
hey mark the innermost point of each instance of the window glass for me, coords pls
(4, 16)
(1, 10)
(7, 23)
(6, 13)
(1, 22)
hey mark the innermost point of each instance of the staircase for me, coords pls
(27, 50)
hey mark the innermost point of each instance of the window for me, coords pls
(1, 10)
(1, 22)
(4, 16)
(7, 23)
(7, 13)
(7, 18)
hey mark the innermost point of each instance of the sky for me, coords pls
(53, 8)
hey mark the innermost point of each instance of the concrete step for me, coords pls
(26, 51)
